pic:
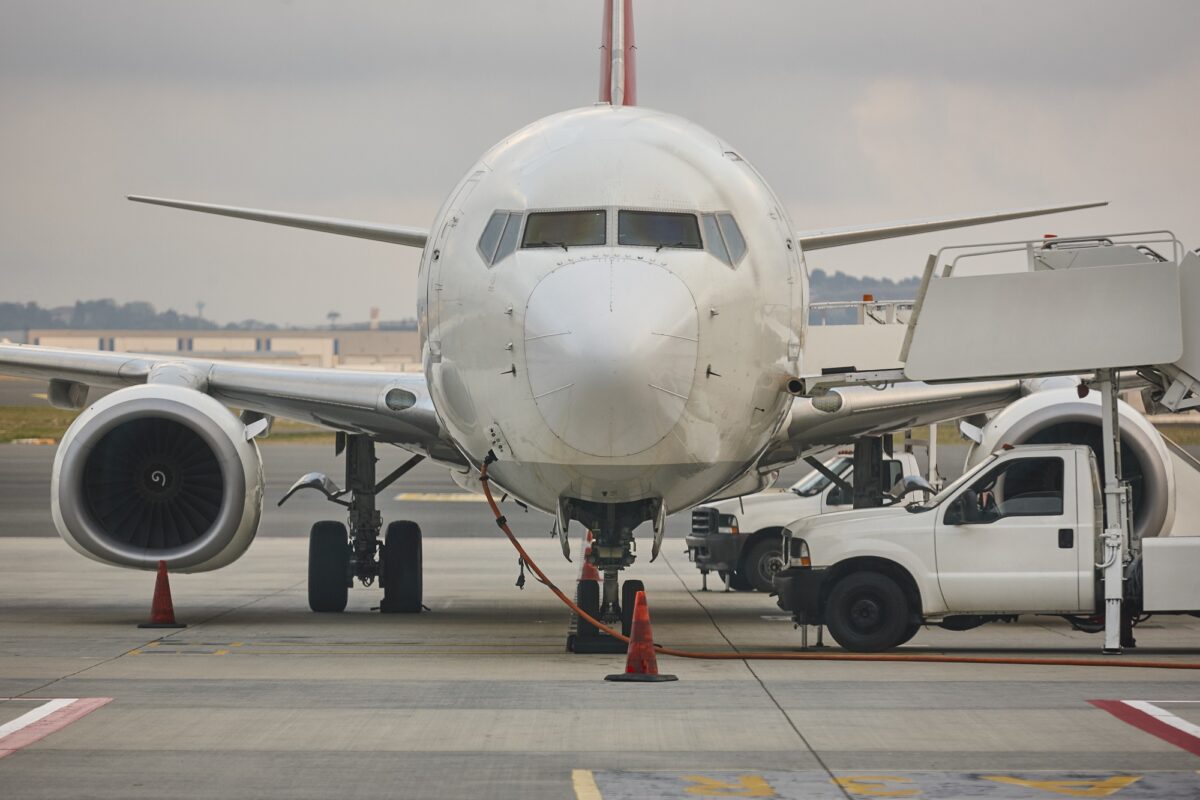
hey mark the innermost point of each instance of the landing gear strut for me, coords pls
(340, 553)
(608, 599)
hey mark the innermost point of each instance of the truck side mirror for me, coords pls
(836, 496)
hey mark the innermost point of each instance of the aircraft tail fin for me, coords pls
(618, 65)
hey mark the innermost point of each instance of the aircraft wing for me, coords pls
(842, 415)
(392, 234)
(836, 237)
(389, 407)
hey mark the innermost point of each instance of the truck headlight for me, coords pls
(727, 523)
(798, 554)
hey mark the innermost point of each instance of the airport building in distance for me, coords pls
(391, 350)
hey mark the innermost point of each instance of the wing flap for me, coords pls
(838, 237)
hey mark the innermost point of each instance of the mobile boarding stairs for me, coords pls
(1093, 307)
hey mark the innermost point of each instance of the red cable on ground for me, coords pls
(502, 521)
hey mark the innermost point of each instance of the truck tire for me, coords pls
(763, 559)
(867, 612)
(737, 581)
(909, 633)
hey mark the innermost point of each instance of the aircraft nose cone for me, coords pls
(610, 348)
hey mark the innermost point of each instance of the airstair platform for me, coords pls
(1044, 307)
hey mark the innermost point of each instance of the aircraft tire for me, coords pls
(328, 567)
(589, 601)
(629, 590)
(403, 582)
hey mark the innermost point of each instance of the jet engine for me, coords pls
(1059, 415)
(158, 472)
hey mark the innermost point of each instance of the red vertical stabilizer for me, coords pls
(618, 59)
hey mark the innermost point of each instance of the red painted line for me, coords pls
(55, 721)
(1150, 724)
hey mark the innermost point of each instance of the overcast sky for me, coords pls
(855, 113)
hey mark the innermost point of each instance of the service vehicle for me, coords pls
(741, 539)
(1021, 533)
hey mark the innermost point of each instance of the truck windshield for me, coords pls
(815, 482)
(951, 488)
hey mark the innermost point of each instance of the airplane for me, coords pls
(612, 301)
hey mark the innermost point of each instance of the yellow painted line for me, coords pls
(441, 497)
(584, 784)
(39, 396)
(221, 653)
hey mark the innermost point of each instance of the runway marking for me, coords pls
(1156, 721)
(442, 497)
(51, 716)
(584, 784)
(922, 785)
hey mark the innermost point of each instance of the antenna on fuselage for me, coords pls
(618, 67)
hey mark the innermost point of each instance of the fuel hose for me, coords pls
(542, 578)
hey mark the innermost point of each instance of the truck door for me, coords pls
(1009, 541)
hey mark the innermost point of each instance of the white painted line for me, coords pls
(441, 497)
(1165, 717)
(41, 712)
(51, 716)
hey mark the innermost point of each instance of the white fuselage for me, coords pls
(611, 373)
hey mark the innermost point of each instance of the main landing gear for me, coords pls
(338, 553)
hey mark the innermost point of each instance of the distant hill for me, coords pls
(825, 288)
(840, 286)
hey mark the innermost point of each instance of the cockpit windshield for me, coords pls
(565, 229)
(658, 229)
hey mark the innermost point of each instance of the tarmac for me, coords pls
(258, 697)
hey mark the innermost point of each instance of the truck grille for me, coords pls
(704, 520)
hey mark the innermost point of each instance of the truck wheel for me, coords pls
(736, 581)
(909, 633)
(763, 560)
(867, 612)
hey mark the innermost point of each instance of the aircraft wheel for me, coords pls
(328, 567)
(867, 612)
(402, 571)
(589, 601)
(629, 590)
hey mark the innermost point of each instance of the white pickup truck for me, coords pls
(1021, 533)
(741, 539)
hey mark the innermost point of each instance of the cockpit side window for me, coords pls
(565, 229)
(733, 236)
(499, 238)
(658, 229)
(723, 238)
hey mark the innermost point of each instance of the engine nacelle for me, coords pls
(158, 472)
(1061, 416)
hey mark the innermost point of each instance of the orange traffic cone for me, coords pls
(162, 610)
(588, 571)
(640, 662)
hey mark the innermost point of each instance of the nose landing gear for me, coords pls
(337, 553)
